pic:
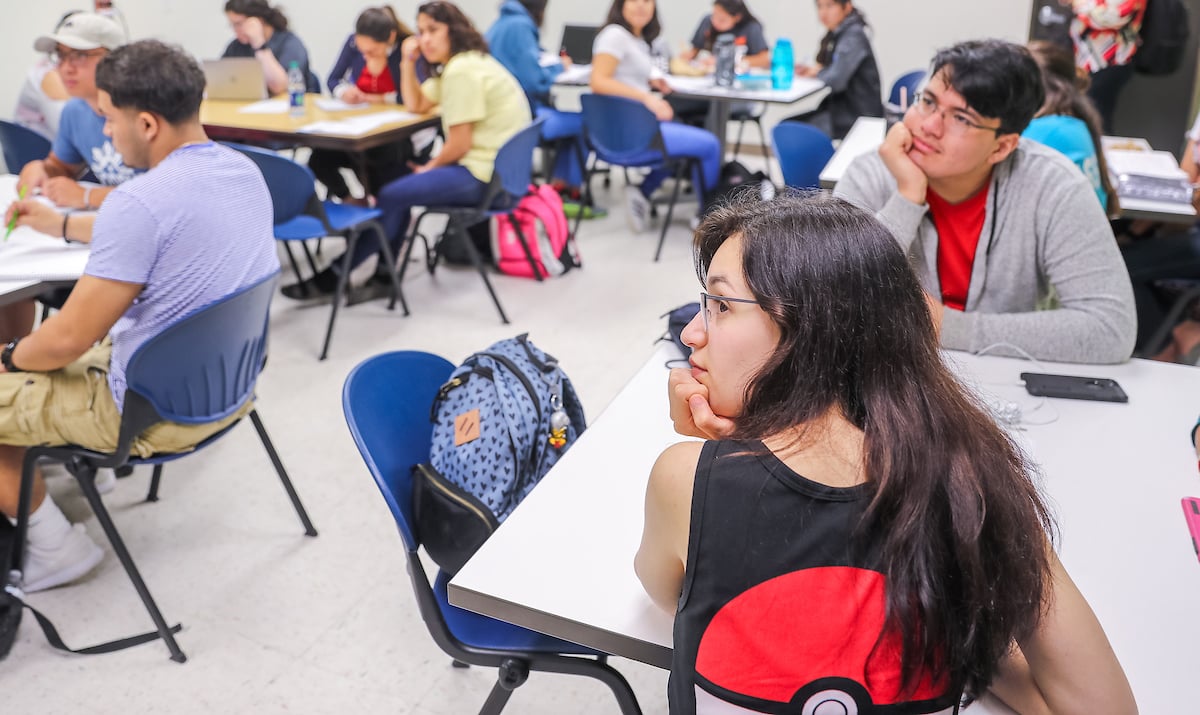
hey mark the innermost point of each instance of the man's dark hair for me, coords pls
(998, 79)
(152, 76)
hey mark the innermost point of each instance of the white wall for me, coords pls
(903, 40)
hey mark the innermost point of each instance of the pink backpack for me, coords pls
(542, 222)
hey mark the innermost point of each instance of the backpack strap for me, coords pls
(18, 600)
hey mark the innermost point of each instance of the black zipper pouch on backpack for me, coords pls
(451, 523)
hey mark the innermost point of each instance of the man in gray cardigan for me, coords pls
(995, 224)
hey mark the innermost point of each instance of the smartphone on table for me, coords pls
(1073, 387)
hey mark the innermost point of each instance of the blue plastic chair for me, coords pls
(201, 369)
(386, 400)
(625, 133)
(21, 146)
(911, 82)
(301, 216)
(803, 151)
(510, 183)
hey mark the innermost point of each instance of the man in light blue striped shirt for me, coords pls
(195, 228)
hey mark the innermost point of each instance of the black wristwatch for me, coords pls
(6, 356)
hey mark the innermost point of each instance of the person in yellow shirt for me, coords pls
(482, 106)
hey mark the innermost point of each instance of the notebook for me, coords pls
(234, 78)
(577, 42)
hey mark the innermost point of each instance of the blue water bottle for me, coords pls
(782, 64)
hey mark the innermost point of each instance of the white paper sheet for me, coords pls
(357, 126)
(336, 105)
(267, 106)
(1144, 163)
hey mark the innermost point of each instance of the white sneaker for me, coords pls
(637, 209)
(73, 557)
(105, 480)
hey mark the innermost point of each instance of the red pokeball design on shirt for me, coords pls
(804, 643)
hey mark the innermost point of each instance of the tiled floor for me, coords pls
(276, 622)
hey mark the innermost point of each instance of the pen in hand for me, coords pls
(13, 221)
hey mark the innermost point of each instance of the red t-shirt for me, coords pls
(959, 227)
(381, 83)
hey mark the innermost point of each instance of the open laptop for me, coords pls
(577, 42)
(234, 78)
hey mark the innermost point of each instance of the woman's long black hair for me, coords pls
(954, 514)
(649, 33)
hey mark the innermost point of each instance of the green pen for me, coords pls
(13, 223)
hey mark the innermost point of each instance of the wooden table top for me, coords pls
(223, 120)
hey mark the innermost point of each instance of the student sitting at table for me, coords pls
(43, 95)
(261, 31)
(194, 228)
(482, 106)
(76, 48)
(858, 531)
(728, 17)
(992, 222)
(514, 40)
(1068, 121)
(623, 64)
(368, 71)
(846, 64)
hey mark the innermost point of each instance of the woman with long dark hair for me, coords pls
(857, 529)
(481, 106)
(261, 31)
(1068, 121)
(731, 17)
(629, 57)
(368, 72)
(846, 64)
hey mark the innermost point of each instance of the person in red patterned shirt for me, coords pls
(1105, 33)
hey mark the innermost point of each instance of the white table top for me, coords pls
(703, 88)
(1114, 473)
(867, 134)
(28, 258)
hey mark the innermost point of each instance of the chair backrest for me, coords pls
(386, 400)
(618, 128)
(803, 151)
(514, 162)
(292, 185)
(911, 82)
(21, 146)
(203, 367)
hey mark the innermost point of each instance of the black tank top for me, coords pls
(778, 614)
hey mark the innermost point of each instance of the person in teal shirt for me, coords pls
(1068, 121)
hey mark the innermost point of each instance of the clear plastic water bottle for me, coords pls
(723, 50)
(296, 88)
(782, 62)
(739, 55)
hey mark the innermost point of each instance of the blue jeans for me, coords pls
(443, 186)
(567, 127)
(682, 140)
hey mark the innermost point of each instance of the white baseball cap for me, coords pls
(83, 31)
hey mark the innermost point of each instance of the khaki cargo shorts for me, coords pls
(73, 405)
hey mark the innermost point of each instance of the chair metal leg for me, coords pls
(390, 260)
(533, 266)
(308, 255)
(496, 701)
(292, 260)
(762, 138)
(340, 293)
(737, 147)
(662, 236)
(87, 484)
(461, 232)
(309, 530)
(152, 495)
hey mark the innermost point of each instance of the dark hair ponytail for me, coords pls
(378, 23)
(463, 35)
(536, 10)
(269, 14)
(954, 515)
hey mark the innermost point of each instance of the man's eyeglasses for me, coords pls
(955, 119)
(74, 58)
(718, 303)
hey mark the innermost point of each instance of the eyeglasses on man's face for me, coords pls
(715, 304)
(75, 58)
(955, 119)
